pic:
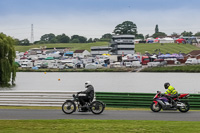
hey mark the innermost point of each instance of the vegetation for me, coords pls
(97, 126)
(185, 33)
(7, 56)
(189, 68)
(159, 34)
(156, 29)
(78, 70)
(127, 27)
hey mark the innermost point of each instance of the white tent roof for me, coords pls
(169, 39)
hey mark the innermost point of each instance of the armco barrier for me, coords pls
(117, 99)
(120, 99)
(10, 98)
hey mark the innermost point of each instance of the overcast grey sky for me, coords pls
(93, 18)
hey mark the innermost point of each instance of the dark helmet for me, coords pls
(166, 85)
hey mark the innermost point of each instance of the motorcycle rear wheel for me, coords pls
(68, 107)
(97, 107)
(184, 109)
(155, 108)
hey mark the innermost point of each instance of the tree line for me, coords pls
(7, 58)
(127, 27)
(51, 38)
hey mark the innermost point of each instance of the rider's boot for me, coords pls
(174, 105)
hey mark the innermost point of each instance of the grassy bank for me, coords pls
(78, 70)
(97, 126)
(151, 48)
(185, 68)
(165, 48)
(71, 46)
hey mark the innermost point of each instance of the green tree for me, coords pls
(24, 42)
(156, 29)
(74, 37)
(75, 41)
(185, 33)
(139, 36)
(96, 39)
(47, 38)
(147, 36)
(54, 40)
(126, 27)
(7, 58)
(80, 39)
(17, 41)
(106, 36)
(159, 34)
(90, 40)
(62, 38)
(174, 34)
(197, 34)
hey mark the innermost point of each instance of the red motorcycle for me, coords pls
(160, 101)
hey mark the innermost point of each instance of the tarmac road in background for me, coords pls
(28, 114)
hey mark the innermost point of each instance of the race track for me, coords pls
(24, 114)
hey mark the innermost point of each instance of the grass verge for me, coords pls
(78, 70)
(97, 126)
(185, 68)
(59, 108)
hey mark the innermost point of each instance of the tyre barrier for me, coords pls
(138, 100)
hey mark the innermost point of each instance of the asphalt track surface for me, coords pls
(29, 114)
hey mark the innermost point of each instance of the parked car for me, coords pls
(91, 66)
(191, 61)
(157, 62)
(136, 64)
(128, 64)
(115, 65)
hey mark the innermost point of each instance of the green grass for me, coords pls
(78, 70)
(72, 46)
(186, 68)
(166, 48)
(97, 126)
(150, 47)
(59, 108)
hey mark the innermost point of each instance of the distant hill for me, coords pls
(142, 48)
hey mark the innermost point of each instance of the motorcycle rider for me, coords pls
(88, 97)
(171, 93)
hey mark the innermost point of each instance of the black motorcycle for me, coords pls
(70, 106)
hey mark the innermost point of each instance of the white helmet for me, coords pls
(87, 83)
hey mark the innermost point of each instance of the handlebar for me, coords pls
(76, 95)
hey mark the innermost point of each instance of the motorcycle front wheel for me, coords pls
(97, 107)
(68, 107)
(185, 108)
(155, 108)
